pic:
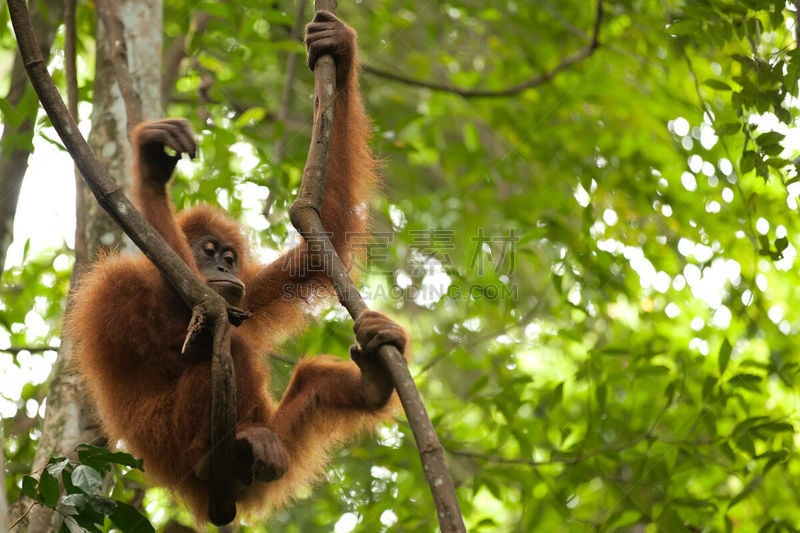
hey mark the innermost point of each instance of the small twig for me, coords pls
(197, 295)
(19, 520)
(119, 58)
(540, 79)
(304, 214)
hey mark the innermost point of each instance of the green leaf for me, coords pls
(746, 381)
(744, 60)
(765, 244)
(87, 479)
(601, 392)
(652, 370)
(669, 520)
(669, 391)
(57, 465)
(471, 139)
(717, 84)
(776, 457)
(100, 458)
(558, 393)
(746, 491)
(29, 485)
(745, 443)
(683, 27)
(769, 139)
(749, 423)
(778, 162)
(727, 451)
(277, 17)
(729, 128)
(252, 115)
(128, 519)
(478, 385)
(748, 161)
(771, 151)
(624, 519)
(72, 525)
(695, 503)
(48, 489)
(708, 387)
(78, 501)
(724, 356)
(102, 505)
(88, 521)
(777, 427)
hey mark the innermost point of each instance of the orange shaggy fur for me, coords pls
(129, 325)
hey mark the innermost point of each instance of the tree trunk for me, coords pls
(142, 32)
(68, 421)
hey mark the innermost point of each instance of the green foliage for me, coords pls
(82, 504)
(599, 273)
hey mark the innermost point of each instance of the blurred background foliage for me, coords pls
(597, 270)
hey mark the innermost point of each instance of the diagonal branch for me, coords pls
(209, 310)
(540, 79)
(304, 214)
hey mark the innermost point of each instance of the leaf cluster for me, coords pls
(82, 502)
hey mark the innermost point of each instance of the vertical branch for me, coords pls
(71, 74)
(304, 214)
(221, 503)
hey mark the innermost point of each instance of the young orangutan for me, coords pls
(129, 325)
